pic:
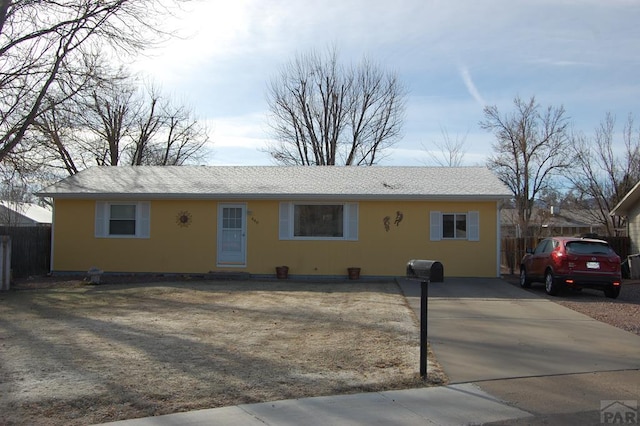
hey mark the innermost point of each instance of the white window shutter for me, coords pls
(144, 219)
(435, 227)
(101, 219)
(352, 221)
(473, 225)
(284, 227)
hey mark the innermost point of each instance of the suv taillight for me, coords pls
(559, 259)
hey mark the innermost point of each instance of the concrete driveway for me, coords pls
(541, 357)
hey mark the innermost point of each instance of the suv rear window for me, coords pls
(588, 247)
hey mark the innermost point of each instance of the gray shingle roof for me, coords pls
(273, 182)
(626, 205)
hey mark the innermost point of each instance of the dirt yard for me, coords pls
(73, 353)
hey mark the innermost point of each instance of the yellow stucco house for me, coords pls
(318, 221)
(629, 208)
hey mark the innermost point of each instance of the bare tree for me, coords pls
(119, 123)
(48, 44)
(181, 139)
(15, 193)
(450, 152)
(165, 134)
(108, 116)
(53, 133)
(531, 149)
(600, 177)
(323, 113)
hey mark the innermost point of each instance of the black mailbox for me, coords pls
(427, 270)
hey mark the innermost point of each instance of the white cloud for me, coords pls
(246, 131)
(471, 87)
(239, 156)
(207, 30)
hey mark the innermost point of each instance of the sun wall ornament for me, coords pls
(184, 219)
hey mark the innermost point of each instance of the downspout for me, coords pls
(53, 224)
(499, 238)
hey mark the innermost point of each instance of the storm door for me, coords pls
(232, 250)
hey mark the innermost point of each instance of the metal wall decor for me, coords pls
(184, 218)
(386, 221)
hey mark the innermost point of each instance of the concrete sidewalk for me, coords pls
(447, 405)
(497, 343)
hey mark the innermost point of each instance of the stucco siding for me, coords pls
(172, 248)
(634, 228)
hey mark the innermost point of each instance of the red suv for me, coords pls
(563, 262)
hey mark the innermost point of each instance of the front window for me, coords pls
(454, 225)
(122, 219)
(318, 221)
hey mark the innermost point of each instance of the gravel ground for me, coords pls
(623, 312)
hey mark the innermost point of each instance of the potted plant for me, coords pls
(282, 272)
(354, 273)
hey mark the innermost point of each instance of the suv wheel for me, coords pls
(550, 285)
(612, 292)
(524, 281)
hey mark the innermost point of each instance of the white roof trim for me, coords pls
(630, 198)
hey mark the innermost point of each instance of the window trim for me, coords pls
(103, 218)
(349, 221)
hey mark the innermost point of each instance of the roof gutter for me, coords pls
(282, 196)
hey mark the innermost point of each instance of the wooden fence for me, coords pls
(30, 249)
(513, 249)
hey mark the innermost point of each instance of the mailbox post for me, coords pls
(423, 270)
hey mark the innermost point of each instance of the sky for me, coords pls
(453, 56)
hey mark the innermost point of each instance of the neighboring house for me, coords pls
(553, 221)
(629, 207)
(14, 213)
(316, 220)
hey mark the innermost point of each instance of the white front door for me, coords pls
(232, 235)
